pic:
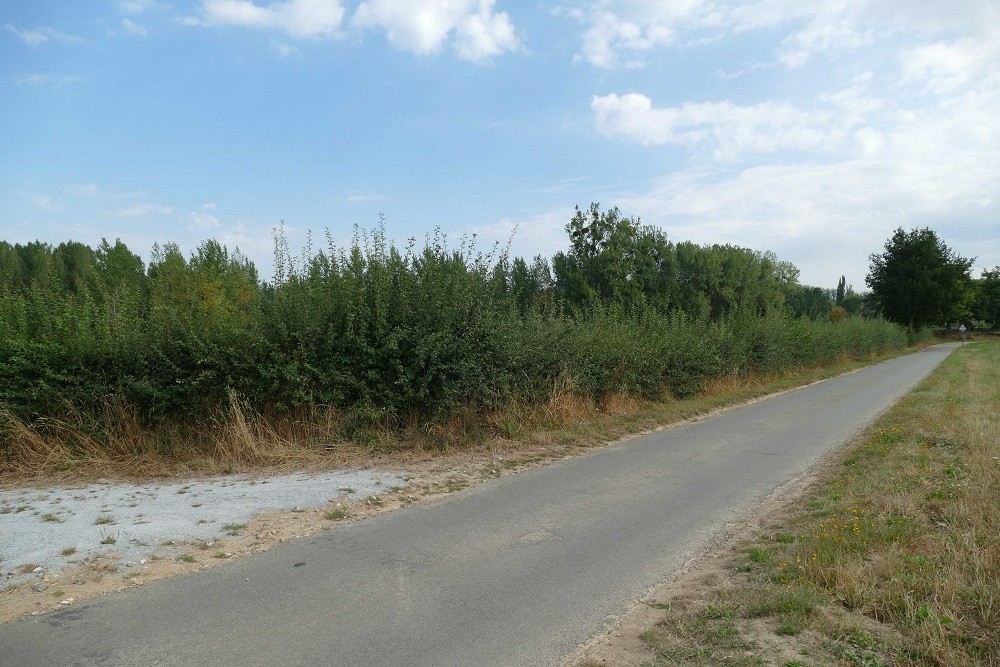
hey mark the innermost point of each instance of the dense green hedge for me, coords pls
(380, 332)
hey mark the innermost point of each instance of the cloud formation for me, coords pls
(140, 210)
(473, 29)
(731, 130)
(297, 18)
(202, 220)
(622, 32)
(41, 35)
(136, 7)
(134, 28)
(45, 202)
(39, 80)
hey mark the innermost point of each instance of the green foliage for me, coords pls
(811, 302)
(616, 262)
(918, 281)
(987, 302)
(389, 334)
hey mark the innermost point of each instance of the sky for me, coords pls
(810, 129)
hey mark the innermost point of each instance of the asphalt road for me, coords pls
(517, 571)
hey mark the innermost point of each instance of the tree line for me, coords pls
(395, 333)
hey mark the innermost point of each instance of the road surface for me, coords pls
(516, 571)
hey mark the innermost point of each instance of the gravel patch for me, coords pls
(55, 527)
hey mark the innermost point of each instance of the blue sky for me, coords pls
(811, 129)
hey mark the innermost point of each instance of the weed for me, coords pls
(336, 515)
(234, 529)
(104, 520)
(51, 518)
(68, 551)
(186, 558)
(453, 484)
(109, 539)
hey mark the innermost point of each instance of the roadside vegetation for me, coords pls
(103, 357)
(892, 559)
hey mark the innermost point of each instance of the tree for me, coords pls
(807, 301)
(987, 307)
(918, 280)
(615, 260)
(841, 290)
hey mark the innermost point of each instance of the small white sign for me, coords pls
(962, 329)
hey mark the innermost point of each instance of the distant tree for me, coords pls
(918, 280)
(837, 313)
(987, 305)
(75, 266)
(811, 302)
(841, 291)
(615, 260)
(853, 303)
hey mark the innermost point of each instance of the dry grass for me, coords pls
(892, 560)
(241, 440)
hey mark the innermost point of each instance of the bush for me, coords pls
(383, 333)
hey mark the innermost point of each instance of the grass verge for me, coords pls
(893, 558)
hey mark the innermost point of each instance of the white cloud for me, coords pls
(475, 30)
(45, 202)
(620, 32)
(731, 130)
(85, 189)
(533, 234)
(937, 166)
(298, 18)
(284, 50)
(136, 7)
(39, 80)
(41, 35)
(944, 67)
(872, 142)
(609, 34)
(134, 28)
(822, 36)
(140, 210)
(571, 185)
(202, 220)
(29, 37)
(365, 197)
(911, 140)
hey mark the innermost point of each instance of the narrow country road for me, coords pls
(516, 571)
